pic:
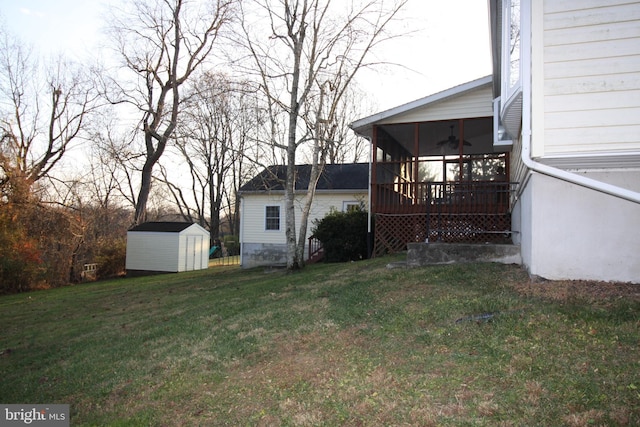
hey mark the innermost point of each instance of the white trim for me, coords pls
(608, 160)
(273, 230)
(499, 132)
(347, 203)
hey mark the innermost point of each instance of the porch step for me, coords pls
(421, 254)
(316, 257)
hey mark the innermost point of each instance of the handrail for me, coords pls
(316, 250)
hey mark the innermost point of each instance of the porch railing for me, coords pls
(316, 250)
(450, 197)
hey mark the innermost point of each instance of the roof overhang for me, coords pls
(364, 126)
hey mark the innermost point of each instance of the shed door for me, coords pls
(197, 247)
(188, 256)
(193, 258)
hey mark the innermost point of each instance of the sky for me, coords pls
(448, 43)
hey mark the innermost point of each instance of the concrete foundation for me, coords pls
(421, 254)
(263, 254)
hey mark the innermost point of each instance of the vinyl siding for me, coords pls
(476, 103)
(168, 252)
(591, 76)
(152, 251)
(253, 215)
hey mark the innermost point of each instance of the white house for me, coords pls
(262, 217)
(166, 247)
(567, 99)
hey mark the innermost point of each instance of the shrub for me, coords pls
(343, 235)
(21, 266)
(111, 258)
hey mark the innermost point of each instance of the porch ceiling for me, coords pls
(477, 131)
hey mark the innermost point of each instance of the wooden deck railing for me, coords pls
(448, 197)
(316, 250)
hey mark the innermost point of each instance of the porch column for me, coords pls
(416, 155)
(461, 148)
(374, 155)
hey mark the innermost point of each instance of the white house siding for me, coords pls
(268, 247)
(591, 58)
(585, 118)
(152, 251)
(476, 103)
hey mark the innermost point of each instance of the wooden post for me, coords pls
(374, 187)
(416, 155)
(460, 147)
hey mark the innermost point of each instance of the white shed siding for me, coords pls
(476, 103)
(168, 251)
(152, 251)
(591, 76)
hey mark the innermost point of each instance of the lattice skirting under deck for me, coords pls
(393, 232)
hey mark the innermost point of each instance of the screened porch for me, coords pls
(438, 181)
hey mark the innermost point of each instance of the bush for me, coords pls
(21, 265)
(343, 235)
(111, 258)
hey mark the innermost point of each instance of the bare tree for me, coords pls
(217, 122)
(44, 111)
(307, 62)
(162, 43)
(342, 145)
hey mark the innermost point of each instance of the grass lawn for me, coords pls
(336, 344)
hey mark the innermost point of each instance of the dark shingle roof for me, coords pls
(353, 176)
(167, 227)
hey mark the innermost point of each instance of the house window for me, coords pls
(272, 218)
(350, 206)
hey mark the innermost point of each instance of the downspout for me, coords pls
(542, 168)
(369, 248)
(241, 231)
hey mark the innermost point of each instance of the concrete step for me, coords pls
(420, 254)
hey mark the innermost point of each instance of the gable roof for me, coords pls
(166, 227)
(364, 126)
(353, 176)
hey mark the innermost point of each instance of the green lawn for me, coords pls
(336, 344)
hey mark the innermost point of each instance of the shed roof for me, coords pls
(352, 176)
(162, 226)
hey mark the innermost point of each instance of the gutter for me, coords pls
(541, 168)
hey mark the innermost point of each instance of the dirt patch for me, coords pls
(589, 291)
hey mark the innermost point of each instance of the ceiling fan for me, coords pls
(453, 141)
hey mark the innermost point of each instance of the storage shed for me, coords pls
(166, 247)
